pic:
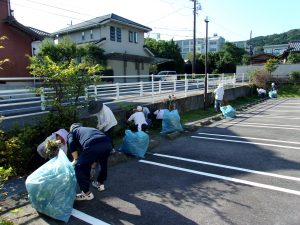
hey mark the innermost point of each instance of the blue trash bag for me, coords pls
(273, 94)
(228, 111)
(171, 122)
(135, 143)
(52, 188)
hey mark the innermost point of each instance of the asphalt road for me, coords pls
(240, 171)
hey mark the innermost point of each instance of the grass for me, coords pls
(289, 91)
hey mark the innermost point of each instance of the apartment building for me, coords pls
(215, 43)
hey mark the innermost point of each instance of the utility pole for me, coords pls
(205, 81)
(196, 8)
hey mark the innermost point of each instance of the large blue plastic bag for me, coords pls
(228, 111)
(52, 188)
(135, 143)
(171, 122)
(273, 94)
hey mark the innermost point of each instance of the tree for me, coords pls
(168, 50)
(68, 77)
(2, 61)
(271, 65)
(294, 57)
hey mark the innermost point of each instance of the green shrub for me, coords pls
(294, 76)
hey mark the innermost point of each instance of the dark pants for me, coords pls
(108, 133)
(144, 127)
(218, 104)
(98, 152)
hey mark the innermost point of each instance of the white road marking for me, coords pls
(255, 184)
(277, 110)
(87, 218)
(267, 124)
(242, 115)
(254, 138)
(246, 142)
(264, 126)
(229, 167)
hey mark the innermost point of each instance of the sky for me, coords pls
(171, 19)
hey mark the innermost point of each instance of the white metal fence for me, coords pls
(24, 101)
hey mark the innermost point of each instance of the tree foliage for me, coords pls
(2, 61)
(271, 65)
(224, 61)
(276, 39)
(63, 69)
(168, 50)
(294, 57)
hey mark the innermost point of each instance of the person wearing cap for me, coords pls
(87, 146)
(105, 117)
(219, 93)
(60, 136)
(139, 119)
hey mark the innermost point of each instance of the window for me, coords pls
(82, 36)
(142, 65)
(133, 37)
(91, 34)
(119, 34)
(130, 38)
(112, 33)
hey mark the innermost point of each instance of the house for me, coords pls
(261, 58)
(120, 38)
(293, 46)
(275, 49)
(21, 41)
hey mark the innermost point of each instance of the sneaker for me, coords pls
(99, 186)
(82, 196)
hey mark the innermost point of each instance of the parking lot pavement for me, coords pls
(240, 171)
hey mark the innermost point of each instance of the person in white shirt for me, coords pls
(139, 119)
(261, 92)
(219, 93)
(159, 114)
(105, 117)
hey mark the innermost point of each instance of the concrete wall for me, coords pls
(184, 104)
(282, 70)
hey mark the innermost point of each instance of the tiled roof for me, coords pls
(35, 33)
(101, 20)
(294, 46)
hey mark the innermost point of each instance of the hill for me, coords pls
(276, 39)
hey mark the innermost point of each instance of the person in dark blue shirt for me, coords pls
(87, 146)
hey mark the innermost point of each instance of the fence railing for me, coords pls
(147, 87)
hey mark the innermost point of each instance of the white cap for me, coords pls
(139, 108)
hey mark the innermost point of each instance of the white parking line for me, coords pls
(87, 218)
(264, 125)
(254, 138)
(246, 142)
(242, 115)
(229, 167)
(255, 184)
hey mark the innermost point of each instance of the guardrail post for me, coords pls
(197, 80)
(159, 86)
(243, 77)
(117, 91)
(152, 87)
(207, 82)
(174, 85)
(43, 100)
(185, 84)
(95, 92)
(86, 94)
(141, 88)
(223, 78)
(234, 79)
